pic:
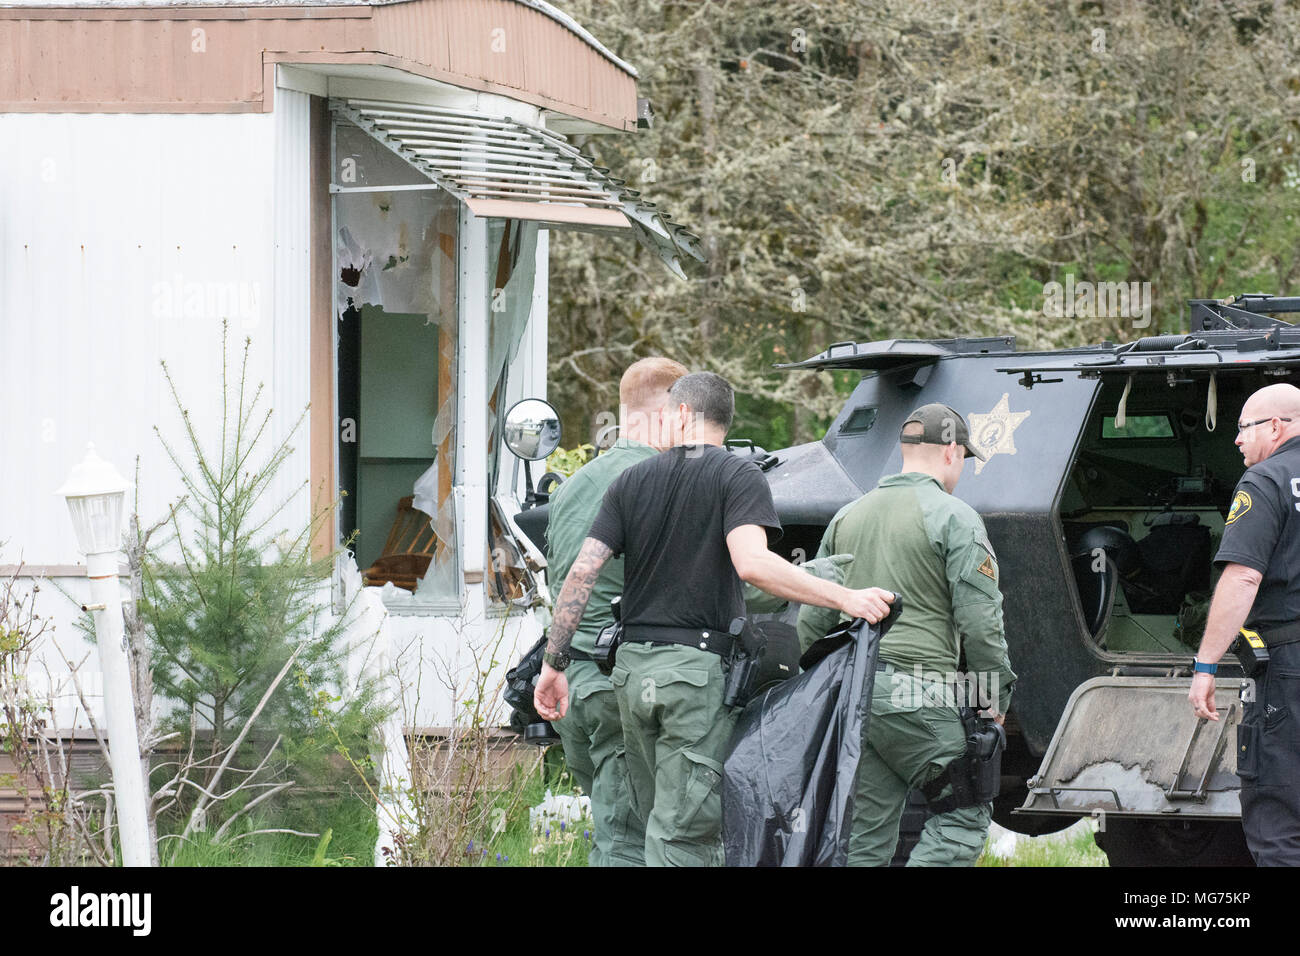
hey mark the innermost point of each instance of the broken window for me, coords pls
(395, 301)
(512, 267)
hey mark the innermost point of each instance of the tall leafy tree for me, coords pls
(918, 169)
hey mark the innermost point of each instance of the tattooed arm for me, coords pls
(551, 696)
(578, 585)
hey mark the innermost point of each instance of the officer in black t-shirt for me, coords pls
(692, 523)
(1260, 587)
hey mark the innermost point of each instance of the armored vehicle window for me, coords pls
(860, 420)
(1137, 426)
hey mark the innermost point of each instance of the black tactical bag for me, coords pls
(521, 680)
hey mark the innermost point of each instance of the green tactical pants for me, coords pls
(676, 733)
(592, 736)
(910, 739)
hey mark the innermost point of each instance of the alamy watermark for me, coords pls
(1098, 300)
(240, 301)
(659, 428)
(112, 910)
(922, 688)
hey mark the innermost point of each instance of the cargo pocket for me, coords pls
(1278, 738)
(688, 700)
(581, 707)
(589, 688)
(964, 843)
(699, 809)
(915, 738)
(1277, 746)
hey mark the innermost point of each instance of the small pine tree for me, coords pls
(229, 600)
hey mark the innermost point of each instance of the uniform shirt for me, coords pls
(670, 516)
(911, 537)
(573, 507)
(1262, 531)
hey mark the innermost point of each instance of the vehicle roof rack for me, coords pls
(1248, 311)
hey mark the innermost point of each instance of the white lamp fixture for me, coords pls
(96, 493)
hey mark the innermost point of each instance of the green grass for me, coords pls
(1079, 850)
(348, 832)
(517, 844)
(347, 829)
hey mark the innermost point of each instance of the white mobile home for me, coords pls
(363, 188)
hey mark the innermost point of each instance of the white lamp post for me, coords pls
(95, 493)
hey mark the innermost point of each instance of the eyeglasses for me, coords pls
(1242, 426)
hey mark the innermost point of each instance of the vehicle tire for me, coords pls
(1018, 765)
(1173, 843)
(1026, 824)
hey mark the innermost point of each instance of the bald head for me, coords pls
(1279, 400)
(1271, 417)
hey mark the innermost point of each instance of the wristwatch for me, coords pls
(1201, 667)
(558, 662)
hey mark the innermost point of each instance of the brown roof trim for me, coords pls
(273, 11)
(123, 59)
(445, 76)
(547, 212)
(360, 11)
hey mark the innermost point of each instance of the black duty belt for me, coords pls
(706, 639)
(575, 655)
(1275, 635)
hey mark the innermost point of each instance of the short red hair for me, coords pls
(644, 386)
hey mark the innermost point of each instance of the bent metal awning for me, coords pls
(500, 168)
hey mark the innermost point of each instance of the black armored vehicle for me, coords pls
(1108, 475)
(1109, 472)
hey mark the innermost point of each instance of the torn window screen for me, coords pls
(395, 295)
(512, 268)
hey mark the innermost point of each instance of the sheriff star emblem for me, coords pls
(992, 433)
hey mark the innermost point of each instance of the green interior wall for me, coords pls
(398, 409)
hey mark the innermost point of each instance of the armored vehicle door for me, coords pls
(1131, 747)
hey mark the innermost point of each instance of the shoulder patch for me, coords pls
(988, 569)
(1240, 505)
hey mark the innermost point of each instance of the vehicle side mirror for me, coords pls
(532, 429)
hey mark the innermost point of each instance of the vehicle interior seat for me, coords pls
(1174, 560)
(1103, 553)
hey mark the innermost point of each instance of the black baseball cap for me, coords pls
(941, 425)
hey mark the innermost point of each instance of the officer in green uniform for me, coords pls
(693, 523)
(590, 732)
(912, 536)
